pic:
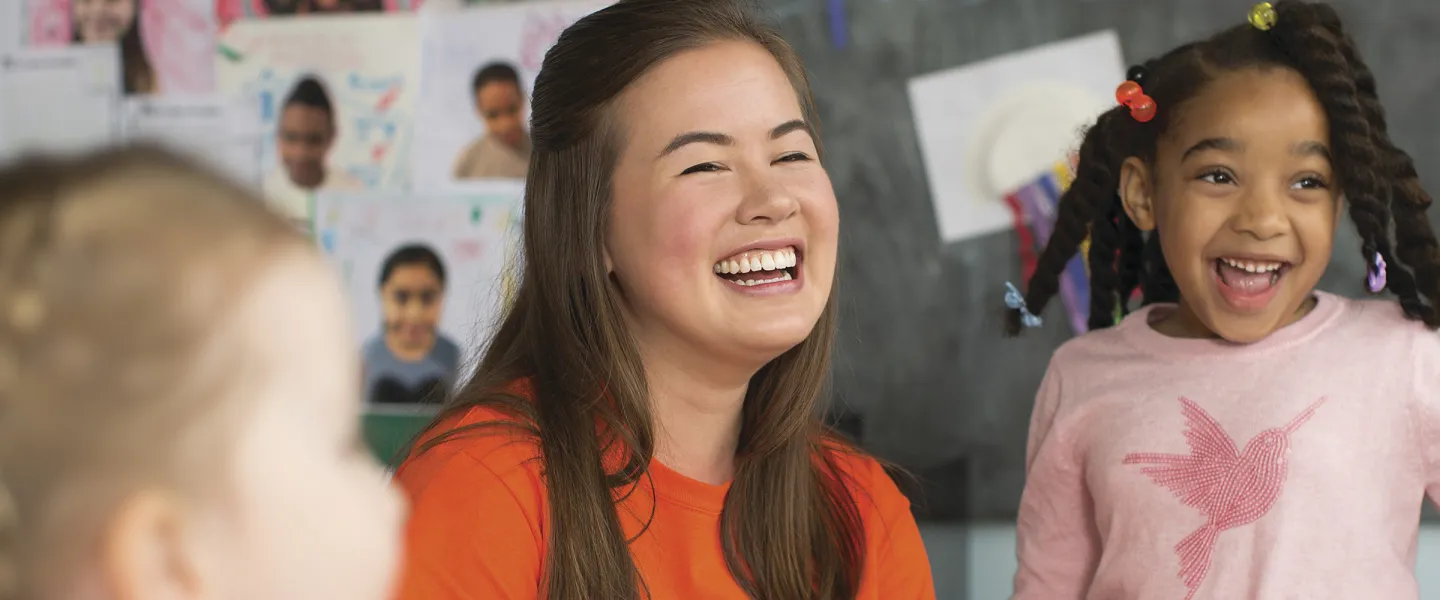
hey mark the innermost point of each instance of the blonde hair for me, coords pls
(115, 269)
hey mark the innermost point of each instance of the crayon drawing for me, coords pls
(427, 275)
(335, 98)
(164, 44)
(478, 66)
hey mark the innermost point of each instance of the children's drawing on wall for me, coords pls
(305, 7)
(304, 136)
(408, 361)
(335, 98)
(503, 150)
(164, 45)
(230, 10)
(426, 276)
(989, 127)
(478, 65)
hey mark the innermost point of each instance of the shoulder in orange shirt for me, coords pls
(479, 513)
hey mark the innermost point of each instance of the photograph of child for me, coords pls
(503, 151)
(115, 22)
(409, 361)
(305, 133)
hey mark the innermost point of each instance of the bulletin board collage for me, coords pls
(392, 132)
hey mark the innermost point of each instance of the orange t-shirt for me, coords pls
(478, 518)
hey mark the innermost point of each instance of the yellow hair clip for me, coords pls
(1262, 16)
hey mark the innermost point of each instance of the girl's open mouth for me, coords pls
(1248, 284)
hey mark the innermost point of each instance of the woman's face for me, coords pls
(724, 225)
(102, 21)
(411, 300)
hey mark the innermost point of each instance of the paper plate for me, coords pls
(1026, 130)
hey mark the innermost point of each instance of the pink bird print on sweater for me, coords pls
(1230, 487)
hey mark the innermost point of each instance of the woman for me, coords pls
(645, 423)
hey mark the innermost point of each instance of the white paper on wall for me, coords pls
(989, 127)
(224, 133)
(62, 99)
(12, 25)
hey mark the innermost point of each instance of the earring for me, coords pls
(1375, 275)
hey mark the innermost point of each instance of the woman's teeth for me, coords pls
(784, 276)
(771, 261)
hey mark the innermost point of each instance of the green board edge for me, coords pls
(388, 435)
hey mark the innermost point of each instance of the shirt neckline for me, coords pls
(676, 487)
(1138, 331)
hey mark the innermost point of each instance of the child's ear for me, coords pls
(1136, 193)
(148, 551)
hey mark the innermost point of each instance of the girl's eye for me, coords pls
(702, 168)
(794, 157)
(1217, 178)
(1311, 183)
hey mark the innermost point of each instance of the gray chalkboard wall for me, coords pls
(921, 359)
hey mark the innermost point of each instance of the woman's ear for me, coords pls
(1137, 193)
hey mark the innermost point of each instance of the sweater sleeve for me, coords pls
(1426, 351)
(1057, 544)
(475, 526)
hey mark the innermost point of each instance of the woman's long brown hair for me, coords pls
(790, 528)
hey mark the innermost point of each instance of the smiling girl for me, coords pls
(647, 421)
(1242, 435)
(410, 361)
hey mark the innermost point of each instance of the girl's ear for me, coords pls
(609, 264)
(1137, 194)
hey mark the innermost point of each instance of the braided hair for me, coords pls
(1378, 180)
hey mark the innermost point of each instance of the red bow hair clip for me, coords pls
(1130, 95)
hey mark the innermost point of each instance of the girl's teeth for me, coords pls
(1252, 266)
(757, 262)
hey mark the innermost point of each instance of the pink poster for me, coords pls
(166, 46)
